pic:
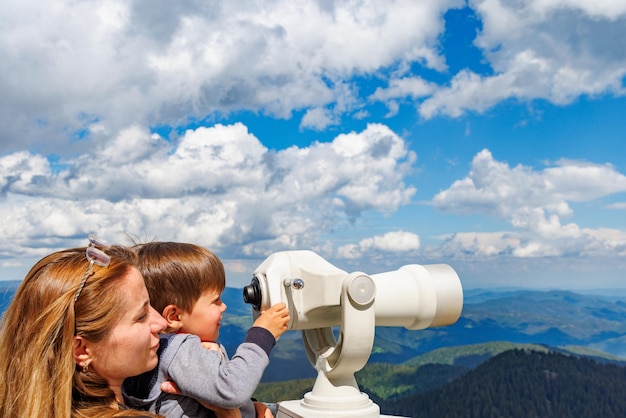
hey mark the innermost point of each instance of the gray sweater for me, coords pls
(201, 374)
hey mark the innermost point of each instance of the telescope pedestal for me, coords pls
(330, 399)
(335, 392)
(298, 409)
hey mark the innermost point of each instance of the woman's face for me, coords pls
(130, 348)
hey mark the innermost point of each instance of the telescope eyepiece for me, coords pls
(252, 294)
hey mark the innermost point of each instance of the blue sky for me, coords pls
(488, 134)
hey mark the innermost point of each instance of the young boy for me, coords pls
(185, 283)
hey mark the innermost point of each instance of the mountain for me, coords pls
(520, 382)
(7, 290)
(524, 383)
(555, 318)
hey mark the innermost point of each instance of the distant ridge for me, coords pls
(7, 290)
(474, 354)
(524, 383)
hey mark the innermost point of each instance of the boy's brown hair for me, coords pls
(178, 273)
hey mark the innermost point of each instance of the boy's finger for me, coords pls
(169, 387)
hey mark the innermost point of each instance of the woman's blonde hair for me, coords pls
(178, 273)
(38, 374)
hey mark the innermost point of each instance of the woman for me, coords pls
(79, 324)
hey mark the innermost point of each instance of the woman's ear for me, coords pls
(172, 315)
(81, 352)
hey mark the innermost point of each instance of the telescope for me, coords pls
(321, 296)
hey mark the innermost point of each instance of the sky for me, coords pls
(489, 135)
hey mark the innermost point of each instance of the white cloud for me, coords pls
(377, 246)
(540, 49)
(69, 67)
(534, 203)
(399, 88)
(585, 242)
(216, 186)
(21, 169)
(492, 187)
(484, 244)
(318, 119)
(414, 87)
(610, 10)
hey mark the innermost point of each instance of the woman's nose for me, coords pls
(158, 323)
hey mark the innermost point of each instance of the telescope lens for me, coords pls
(252, 294)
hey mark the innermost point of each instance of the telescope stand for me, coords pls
(335, 392)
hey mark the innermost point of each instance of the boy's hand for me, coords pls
(262, 411)
(211, 346)
(214, 347)
(275, 319)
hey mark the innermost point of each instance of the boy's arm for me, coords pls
(201, 374)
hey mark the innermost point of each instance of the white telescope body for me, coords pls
(321, 296)
(414, 296)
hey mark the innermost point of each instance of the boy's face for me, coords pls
(204, 319)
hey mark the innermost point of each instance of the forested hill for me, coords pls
(524, 383)
(516, 383)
